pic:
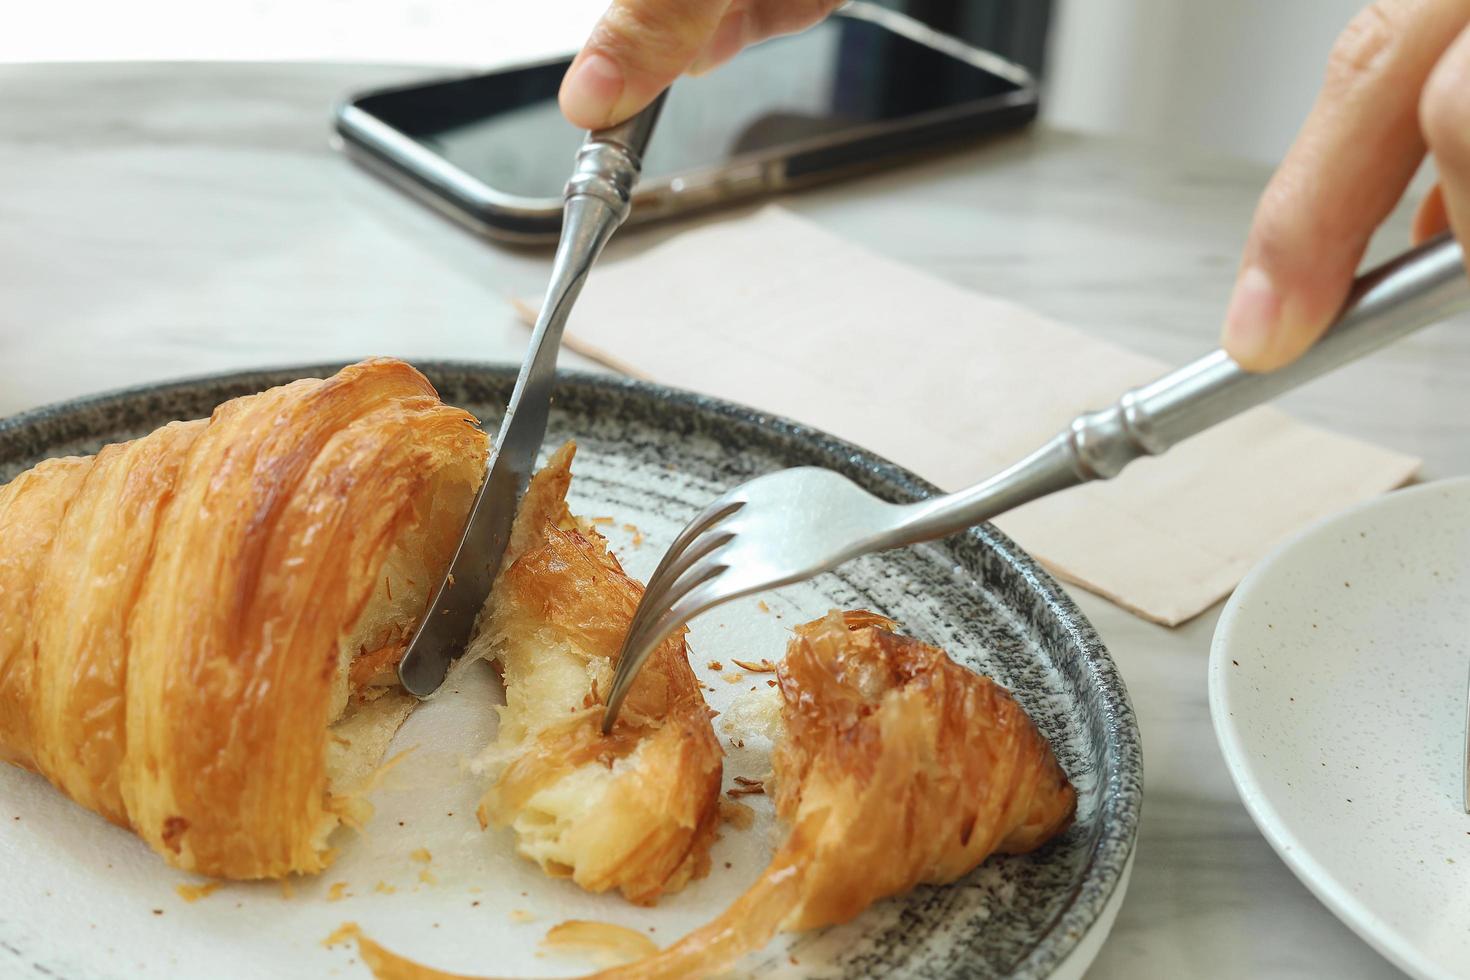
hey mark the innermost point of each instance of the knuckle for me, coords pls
(656, 36)
(1444, 111)
(1293, 228)
(1364, 45)
(1277, 229)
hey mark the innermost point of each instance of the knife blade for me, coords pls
(597, 201)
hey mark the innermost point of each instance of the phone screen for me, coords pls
(505, 128)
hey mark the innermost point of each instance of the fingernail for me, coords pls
(591, 92)
(1252, 318)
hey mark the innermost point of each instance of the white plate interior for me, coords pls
(1338, 686)
(114, 907)
(87, 900)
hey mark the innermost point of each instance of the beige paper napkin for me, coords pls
(771, 311)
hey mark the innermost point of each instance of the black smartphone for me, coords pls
(866, 87)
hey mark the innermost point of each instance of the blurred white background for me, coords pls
(1235, 76)
(451, 32)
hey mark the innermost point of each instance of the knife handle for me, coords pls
(610, 160)
(633, 133)
(598, 198)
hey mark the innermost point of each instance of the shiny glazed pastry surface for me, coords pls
(198, 628)
(896, 767)
(635, 810)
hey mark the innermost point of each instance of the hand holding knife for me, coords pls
(598, 198)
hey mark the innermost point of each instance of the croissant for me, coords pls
(635, 810)
(199, 628)
(896, 767)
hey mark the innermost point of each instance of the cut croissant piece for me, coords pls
(638, 809)
(199, 628)
(897, 767)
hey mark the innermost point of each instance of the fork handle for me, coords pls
(1420, 287)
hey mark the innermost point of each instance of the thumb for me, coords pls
(635, 52)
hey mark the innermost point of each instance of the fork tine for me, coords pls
(715, 512)
(650, 628)
(655, 601)
(675, 556)
(638, 648)
(696, 549)
(697, 574)
(672, 569)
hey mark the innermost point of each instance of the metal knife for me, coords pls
(597, 200)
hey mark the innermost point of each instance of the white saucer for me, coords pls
(1337, 687)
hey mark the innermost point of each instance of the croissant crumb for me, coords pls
(193, 893)
(737, 815)
(603, 941)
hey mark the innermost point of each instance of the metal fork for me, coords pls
(794, 524)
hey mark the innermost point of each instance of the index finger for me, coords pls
(1347, 169)
(636, 50)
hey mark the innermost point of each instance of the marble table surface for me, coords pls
(167, 220)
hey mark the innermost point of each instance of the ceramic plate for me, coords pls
(1337, 686)
(83, 899)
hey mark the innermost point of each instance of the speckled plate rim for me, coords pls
(1093, 898)
(1291, 848)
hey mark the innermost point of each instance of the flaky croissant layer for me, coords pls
(635, 810)
(180, 615)
(897, 767)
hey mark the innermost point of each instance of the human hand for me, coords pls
(1398, 83)
(639, 47)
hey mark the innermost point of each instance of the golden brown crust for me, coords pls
(190, 603)
(544, 504)
(652, 828)
(898, 767)
(33, 507)
(102, 552)
(921, 768)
